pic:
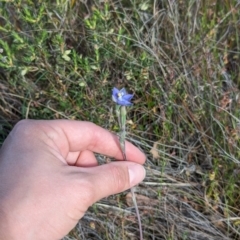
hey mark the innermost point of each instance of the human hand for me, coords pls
(49, 176)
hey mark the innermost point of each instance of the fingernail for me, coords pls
(136, 174)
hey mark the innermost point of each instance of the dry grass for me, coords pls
(181, 61)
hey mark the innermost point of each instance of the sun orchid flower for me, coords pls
(121, 97)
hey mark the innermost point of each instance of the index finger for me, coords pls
(73, 136)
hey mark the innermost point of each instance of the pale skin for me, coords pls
(49, 176)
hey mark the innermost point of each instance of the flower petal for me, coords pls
(124, 102)
(123, 91)
(114, 98)
(128, 97)
(115, 91)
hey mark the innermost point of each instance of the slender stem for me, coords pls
(137, 212)
(122, 115)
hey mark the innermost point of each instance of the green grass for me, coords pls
(60, 59)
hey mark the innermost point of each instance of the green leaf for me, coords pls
(144, 6)
(65, 55)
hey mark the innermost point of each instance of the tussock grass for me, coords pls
(180, 59)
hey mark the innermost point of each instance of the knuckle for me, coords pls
(23, 127)
(22, 123)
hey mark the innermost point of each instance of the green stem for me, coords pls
(122, 116)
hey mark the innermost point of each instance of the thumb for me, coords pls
(113, 178)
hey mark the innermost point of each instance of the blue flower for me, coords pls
(121, 97)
